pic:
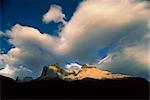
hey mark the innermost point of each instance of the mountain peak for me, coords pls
(53, 72)
(95, 73)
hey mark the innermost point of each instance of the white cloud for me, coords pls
(12, 66)
(139, 54)
(134, 61)
(54, 14)
(73, 66)
(95, 25)
(107, 59)
(13, 72)
(30, 50)
(7, 71)
(131, 55)
(1, 33)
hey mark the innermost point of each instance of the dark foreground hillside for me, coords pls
(132, 88)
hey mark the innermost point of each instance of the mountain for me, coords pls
(124, 88)
(55, 72)
(52, 71)
(83, 83)
(27, 79)
(93, 72)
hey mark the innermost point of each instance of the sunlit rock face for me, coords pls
(93, 72)
(54, 72)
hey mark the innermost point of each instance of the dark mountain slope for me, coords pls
(133, 88)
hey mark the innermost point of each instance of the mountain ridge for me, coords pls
(54, 71)
(125, 88)
(89, 82)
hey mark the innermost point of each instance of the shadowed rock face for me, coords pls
(49, 72)
(124, 88)
(52, 72)
(27, 79)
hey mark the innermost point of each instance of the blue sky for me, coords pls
(30, 12)
(112, 35)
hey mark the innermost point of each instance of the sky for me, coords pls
(112, 35)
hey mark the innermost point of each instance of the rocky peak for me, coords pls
(93, 72)
(53, 71)
(85, 66)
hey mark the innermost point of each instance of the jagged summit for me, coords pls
(54, 71)
(127, 88)
(93, 72)
(86, 82)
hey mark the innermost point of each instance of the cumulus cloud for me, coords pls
(94, 25)
(30, 50)
(1, 33)
(139, 54)
(54, 14)
(11, 66)
(12, 72)
(127, 63)
(130, 59)
(73, 66)
(103, 22)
